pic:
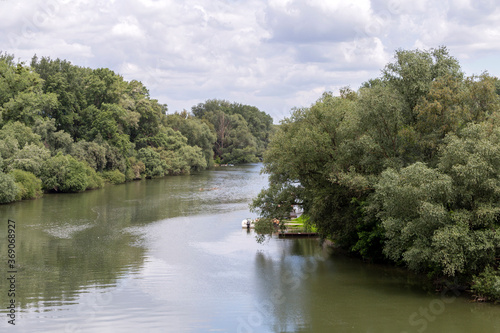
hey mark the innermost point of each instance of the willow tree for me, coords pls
(445, 220)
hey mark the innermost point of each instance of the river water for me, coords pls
(169, 255)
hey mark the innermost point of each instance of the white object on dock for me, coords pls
(248, 223)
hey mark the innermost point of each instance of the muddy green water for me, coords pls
(169, 255)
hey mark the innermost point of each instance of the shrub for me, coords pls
(136, 170)
(155, 166)
(30, 159)
(114, 176)
(487, 284)
(90, 152)
(129, 175)
(95, 180)
(8, 188)
(30, 187)
(64, 173)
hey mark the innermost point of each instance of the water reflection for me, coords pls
(170, 255)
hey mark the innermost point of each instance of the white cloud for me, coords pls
(128, 27)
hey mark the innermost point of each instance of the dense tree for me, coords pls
(21, 94)
(30, 159)
(67, 82)
(20, 132)
(242, 131)
(155, 166)
(196, 131)
(406, 168)
(312, 149)
(413, 72)
(8, 148)
(91, 152)
(64, 123)
(445, 219)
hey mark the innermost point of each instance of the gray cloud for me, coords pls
(311, 22)
(274, 54)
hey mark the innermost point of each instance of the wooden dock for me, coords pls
(298, 235)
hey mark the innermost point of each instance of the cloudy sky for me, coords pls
(275, 54)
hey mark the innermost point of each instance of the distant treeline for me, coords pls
(406, 169)
(66, 128)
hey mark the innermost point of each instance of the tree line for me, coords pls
(66, 128)
(406, 169)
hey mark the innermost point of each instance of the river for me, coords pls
(169, 255)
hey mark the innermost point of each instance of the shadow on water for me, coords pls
(307, 288)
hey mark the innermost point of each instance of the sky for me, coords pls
(275, 55)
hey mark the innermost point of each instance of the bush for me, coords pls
(30, 159)
(90, 152)
(155, 166)
(194, 158)
(95, 180)
(129, 175)
(114, 176)
(487, 284)
(8, 188)
(28, 185)
(64, 173)
(136, 170)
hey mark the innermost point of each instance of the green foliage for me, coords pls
(114, 176)
(21, 95)
(414, 203)
(242, 131)
(382, 122)
(136, 170)
(92, 120)
(487, 284)
(65, 174)
(19, 131)
(29, 186)
(155, 166)
(443, 219)
(94, 180)
(8, 148)
(90, 152)
(413, 72)
(472, 158)
(197, 133)
(407, 168)
(241, 155)
(27, 107)
(68, 82)
(264, 227)
(30, 158)
(371, 234)
(8, 188)
(193, 158)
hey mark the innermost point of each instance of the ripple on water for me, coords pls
(66, 231)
